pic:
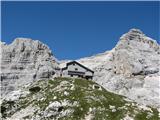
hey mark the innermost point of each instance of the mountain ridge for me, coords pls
(127, 69)
(125, 84)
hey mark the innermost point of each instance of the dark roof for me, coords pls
(69, 63)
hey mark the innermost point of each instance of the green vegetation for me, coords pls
(84, 98)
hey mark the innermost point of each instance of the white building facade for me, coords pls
(77, 70)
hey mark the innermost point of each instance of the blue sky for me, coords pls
(78, 29)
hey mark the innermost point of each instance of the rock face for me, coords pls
(136, 54)
(23, 61)
(130, 69)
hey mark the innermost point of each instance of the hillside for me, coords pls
(71, 99)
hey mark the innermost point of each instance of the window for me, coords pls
(76, 69)
(71, 75)
(73, 64)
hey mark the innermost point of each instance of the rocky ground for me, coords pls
(71, 99)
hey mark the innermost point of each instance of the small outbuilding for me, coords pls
(75, 69)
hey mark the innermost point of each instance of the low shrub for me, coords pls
(35, 89)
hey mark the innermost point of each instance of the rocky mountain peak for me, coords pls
(24, 44)
(133, 48)
(25, 60)
(131, 68)
(135, 31)
(132, 34)
(135, 39)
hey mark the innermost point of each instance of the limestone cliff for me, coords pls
(130, 69)
(24, 61)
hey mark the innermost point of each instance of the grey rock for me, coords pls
(53, 109)
(24, 61)
(131, 68)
